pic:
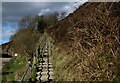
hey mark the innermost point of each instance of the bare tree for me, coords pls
(25, 40)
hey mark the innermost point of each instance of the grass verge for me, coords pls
(14, 69)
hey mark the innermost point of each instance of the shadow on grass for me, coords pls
(5, 73)
(5, 56)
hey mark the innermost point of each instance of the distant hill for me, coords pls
(6, 49)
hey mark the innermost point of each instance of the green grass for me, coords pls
(14, 69)
(33, 73)
(59, 59)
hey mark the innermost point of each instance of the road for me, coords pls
(3, 61)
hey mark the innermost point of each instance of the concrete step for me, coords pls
(46, 53)
(45, 67)
(44, 78)
(50, 63)
(50, 66)
(40, 66)
(38, 77)
(51, 73)
(51, 77)
(38, 73)
(45, 63)
(50, 69)
(42, 61)
(44, 73)
(45, 58)
(46, 50)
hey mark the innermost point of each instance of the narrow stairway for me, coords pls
(44, 70)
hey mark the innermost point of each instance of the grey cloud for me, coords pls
(14, 11)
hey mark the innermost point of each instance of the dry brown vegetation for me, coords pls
(90, 36)
(25, 40)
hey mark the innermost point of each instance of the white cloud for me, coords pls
(73, 6)
(45, 11)
(68, 9)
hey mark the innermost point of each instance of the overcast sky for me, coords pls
(12, 12)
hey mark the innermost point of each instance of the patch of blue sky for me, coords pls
(8, 29)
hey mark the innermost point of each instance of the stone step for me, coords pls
(40, 66)
(50, 63)
(38, 77)
(51, 73)
(51, 77)
(38, 73)
(44, 78)
(50, 66)
(45, 63)
(50, 69)
(46, 50)
(45, 70)
(42, 61)
(46, 53)
(44, 73)
(45, 66)
(45, 58)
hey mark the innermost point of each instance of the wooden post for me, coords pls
(30, 74)
(34, 59)
(37, 55)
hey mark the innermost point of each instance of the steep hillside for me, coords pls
(7, 48)
(89, 38)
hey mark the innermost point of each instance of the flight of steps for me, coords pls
(44, 70)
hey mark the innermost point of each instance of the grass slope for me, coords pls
(86, 44)
(15, 68)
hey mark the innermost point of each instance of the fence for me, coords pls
(27, 76)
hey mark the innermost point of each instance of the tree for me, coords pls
(25, 40)
(41, 25)
(25, 22)
(38, 22)
(46, 20)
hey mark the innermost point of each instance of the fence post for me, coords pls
(36, 55)
(30, 65)
(34, 59)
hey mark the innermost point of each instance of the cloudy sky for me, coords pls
(12, 12)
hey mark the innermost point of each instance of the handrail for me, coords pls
(25, 73)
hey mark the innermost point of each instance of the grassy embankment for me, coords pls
(87, 48)
(14, 69)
